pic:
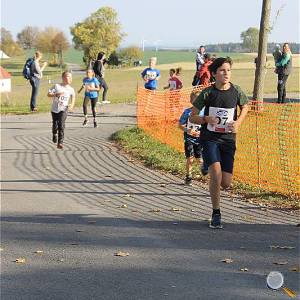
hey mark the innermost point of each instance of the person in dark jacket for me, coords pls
(283, 68)
(99, 74)
(36, 76)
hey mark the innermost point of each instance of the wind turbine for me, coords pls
(143, 44)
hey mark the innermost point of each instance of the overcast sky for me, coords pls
(173, 23)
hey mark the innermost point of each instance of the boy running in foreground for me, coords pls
(218, 132)
(61, 95)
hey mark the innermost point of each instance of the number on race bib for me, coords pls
(224, 116)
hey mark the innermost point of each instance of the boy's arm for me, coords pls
(80, 89)
(235, 125)
(72, 102)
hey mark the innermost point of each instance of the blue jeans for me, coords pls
(35, 84)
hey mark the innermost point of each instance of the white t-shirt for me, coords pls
(61, 103)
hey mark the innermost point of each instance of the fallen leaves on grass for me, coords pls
(20, 260)
(121, 253)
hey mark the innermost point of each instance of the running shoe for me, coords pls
(54, 138)
(60, 146)
(216, 222)
(188, 180)
(85, 122)
(95, 124)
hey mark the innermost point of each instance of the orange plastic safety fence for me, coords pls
(268, 141)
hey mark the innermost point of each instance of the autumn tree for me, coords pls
(131, 54)
(8, 45)
(52, 41)
(27, 37)
(250, 39)
(101, 31)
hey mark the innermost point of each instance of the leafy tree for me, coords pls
(27, 37)
(101, 31)
(250, 39)
(8, 45)
(113, 59)
(52, 41)
(131, 54)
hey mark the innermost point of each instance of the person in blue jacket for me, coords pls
(151, 75)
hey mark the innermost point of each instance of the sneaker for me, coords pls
(188, 180)
(105, 102)
(60, 146)
(203, 170)
(85, 122)
(216, 221)
(54, 138)
(95, 124)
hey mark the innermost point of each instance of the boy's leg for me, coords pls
(227, 152)
(212, 157)
(189, 154)
(54, 127)
(198, 155)
(61, 127)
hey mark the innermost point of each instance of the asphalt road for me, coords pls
(83, 204)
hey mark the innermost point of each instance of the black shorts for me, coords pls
(223, 152)
(191, 149)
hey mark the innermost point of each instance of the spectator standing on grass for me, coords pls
(92, 86)
(36, 74)
(283, 68)
(151, 75)
(61, 94)
(200, 57)
(192, 146)
(99, 70)
(174, 83)
(218, 132)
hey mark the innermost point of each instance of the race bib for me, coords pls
(172, 85)
(193, 126)
(224, 116)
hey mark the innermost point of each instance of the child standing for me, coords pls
(192, 146)
(151, 75)
(61, 94)
(92, 86)
(174, 83)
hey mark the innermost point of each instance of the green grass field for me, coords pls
(123, 82)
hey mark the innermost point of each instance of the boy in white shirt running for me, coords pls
(61, 94)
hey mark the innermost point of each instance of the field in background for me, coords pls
(123, 82)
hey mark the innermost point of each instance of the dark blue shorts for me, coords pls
(216, 151)
(191, 149)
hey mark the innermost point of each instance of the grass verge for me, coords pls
(156, 155)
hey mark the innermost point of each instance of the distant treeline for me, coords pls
(229, 47)
(237, 47)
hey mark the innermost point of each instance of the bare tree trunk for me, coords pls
(258, 91)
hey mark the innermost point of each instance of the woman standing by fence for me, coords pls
(284, 68)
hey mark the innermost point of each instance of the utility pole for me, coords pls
(260, 72)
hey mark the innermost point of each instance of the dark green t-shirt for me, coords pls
(222, 104)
